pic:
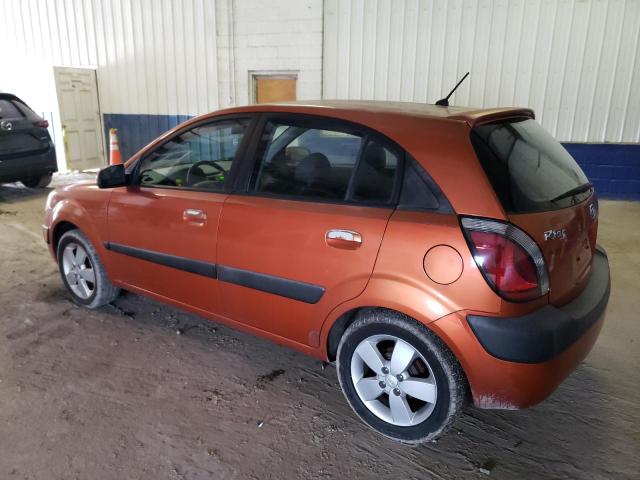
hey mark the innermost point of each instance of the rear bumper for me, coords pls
(545, 333)
(28, 166)
(513, 363)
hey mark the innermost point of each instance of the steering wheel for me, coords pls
(212, 163)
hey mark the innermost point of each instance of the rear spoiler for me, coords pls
(481, 117)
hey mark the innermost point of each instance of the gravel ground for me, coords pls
(117, 393)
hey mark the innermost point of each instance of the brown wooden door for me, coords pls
(275, 89)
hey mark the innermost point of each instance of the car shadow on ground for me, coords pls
(14, 192)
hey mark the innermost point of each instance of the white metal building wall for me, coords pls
(575, 62)
(167, 57)
(145, 51)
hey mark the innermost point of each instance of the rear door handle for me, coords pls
(194, 215)
(345, 239)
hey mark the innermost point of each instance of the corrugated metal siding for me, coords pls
(152, 56)
(575, 62)
(171, 58)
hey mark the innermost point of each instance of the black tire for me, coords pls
(104, 291)
(38, 182)
(449, 377)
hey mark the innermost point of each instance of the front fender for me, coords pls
(85, 208)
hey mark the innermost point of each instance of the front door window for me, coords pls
(199, 158)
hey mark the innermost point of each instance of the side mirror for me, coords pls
(112, 176)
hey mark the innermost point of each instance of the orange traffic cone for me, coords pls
(114, 150)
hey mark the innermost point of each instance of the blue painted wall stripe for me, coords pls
(136, 131)
(613, 168)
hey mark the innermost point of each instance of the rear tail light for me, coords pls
(509, 259)
(42, 123)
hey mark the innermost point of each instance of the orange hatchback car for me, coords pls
(435, 253)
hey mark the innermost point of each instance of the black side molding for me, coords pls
(303, 292)
(545, 333)
(284, 287)
(181, 263)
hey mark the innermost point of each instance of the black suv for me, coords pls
(27, 153)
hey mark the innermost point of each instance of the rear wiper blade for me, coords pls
(574, 191)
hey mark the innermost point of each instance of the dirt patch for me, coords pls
(271, 376)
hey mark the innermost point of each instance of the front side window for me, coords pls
(324, 163)
(199, 158)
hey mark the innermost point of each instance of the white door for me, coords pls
(77, 92)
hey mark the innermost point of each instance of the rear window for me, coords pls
(529, 170)
(9, 110)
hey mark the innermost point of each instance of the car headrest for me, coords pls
(278, 164)
(296, 154)
(313, 169)
(375, 156)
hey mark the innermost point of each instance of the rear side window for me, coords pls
(529, 170)
(300, 161)
(377, 169)
(9, 110)
(419, 192)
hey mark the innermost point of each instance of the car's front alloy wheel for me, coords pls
(78, 270)
(82, 271)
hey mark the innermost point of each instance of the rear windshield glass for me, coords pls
(9, 110)
(529, 170)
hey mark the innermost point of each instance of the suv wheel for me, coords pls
(37, 182)
(399, 377)
(82, 271)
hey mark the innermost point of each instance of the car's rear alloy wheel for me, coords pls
(393, 380)
(82, 271)
(399, 377)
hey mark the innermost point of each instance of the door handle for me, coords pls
(194, 215)
(345, 239)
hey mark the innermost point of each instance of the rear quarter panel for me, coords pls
(399, 281)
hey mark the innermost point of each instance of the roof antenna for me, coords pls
(444, 102)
